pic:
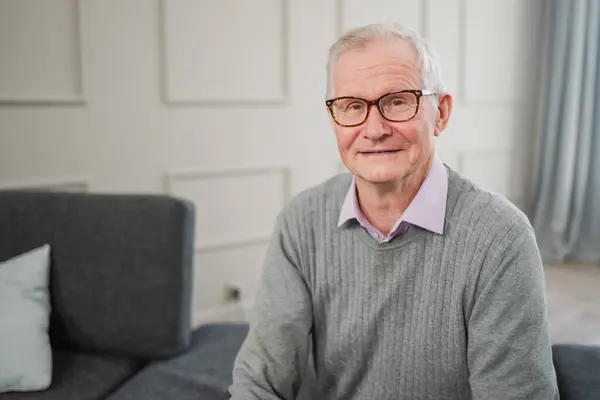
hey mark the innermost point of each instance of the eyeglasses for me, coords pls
(398, 106)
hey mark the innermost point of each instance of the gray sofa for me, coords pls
(121, 292)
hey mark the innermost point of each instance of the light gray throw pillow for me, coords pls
(25, 352)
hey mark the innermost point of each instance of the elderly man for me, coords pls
(402, 280)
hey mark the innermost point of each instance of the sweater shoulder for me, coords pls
(324, 198)
(480, 209)
(486, 225)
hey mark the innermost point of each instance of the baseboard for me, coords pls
(234, 312)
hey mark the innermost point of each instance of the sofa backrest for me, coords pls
(121, 267)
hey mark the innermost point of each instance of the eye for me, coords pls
(355, 106)
(397, 102)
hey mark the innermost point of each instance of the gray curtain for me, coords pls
(565, 207)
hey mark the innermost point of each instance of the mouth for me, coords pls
(380, 152)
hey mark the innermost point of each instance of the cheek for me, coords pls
(345, 137)
(418, 136)
(415, 133)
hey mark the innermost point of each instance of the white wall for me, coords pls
(222, 102)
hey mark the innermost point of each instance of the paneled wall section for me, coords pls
(221, 102)
(42, 52)
(253, 67)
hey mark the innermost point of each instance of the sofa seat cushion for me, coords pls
(578, 371)
(204, 372)
(82, 377)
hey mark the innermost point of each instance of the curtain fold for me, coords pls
(565, 207)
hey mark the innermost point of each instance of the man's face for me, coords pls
(368, 72)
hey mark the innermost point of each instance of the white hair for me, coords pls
(430, 66)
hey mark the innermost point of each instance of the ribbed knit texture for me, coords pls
(455, 316)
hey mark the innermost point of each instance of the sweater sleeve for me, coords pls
(509, 349)
(273, 357)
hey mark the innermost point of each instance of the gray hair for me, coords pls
(430, 66)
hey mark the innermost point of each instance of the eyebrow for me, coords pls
(393, 89)
(388, 89)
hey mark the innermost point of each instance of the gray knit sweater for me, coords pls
(460, 315)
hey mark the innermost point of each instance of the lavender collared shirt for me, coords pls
(427, 210)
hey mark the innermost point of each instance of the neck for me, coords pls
(384, 203)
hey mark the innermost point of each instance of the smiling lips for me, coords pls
(379, 152)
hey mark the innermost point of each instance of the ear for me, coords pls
(444, 111)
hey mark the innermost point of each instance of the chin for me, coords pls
(380, 175)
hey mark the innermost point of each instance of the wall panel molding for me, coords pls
(462, 52)
(340, 25)
(503, 76)
(423, 25)
(217, 271)
(226, 182)
(80, 185)
(170, 95)
(78, 97)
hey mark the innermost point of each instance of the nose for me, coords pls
(375, 127)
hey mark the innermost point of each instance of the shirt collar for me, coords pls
(427, 210)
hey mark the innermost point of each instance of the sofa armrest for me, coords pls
(578, 371)
(203, 372)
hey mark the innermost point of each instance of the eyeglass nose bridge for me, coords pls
(370, 104)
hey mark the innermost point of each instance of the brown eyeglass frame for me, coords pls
(418, 93)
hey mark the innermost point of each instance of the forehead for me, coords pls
(376, 67)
